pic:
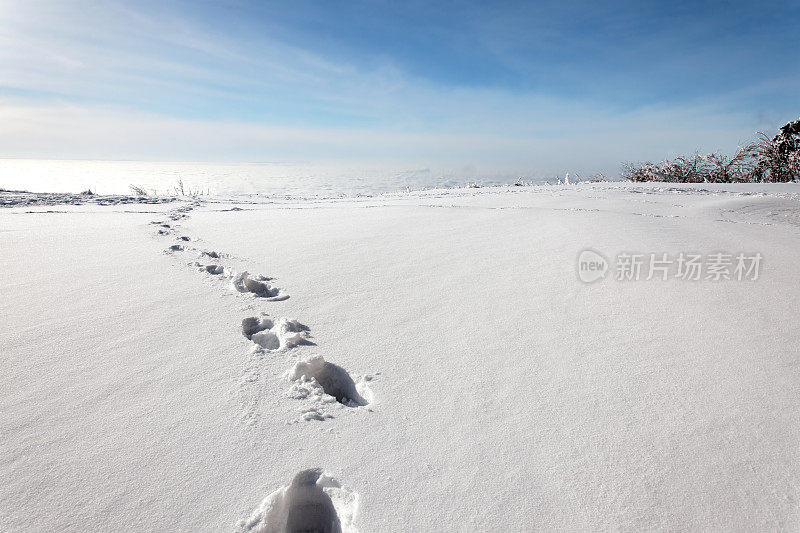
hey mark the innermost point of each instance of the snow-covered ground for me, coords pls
(427, 361)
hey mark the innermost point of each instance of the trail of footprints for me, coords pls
(313, 501)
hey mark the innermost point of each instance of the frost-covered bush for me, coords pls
(779, 157)
(766, 160)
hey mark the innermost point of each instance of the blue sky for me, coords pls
(534, 87)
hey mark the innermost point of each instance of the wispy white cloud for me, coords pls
(104, 79)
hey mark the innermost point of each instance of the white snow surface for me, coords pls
(496, 392)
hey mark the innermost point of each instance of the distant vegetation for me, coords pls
(138, 190)
(177, 190)
(775, 159)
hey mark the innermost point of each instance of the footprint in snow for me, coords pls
(214, 270)
(314, 502)
(324, 384)
(258, 286)
(272, 335)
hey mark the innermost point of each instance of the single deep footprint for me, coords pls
(313, 503)
(215, 270)
(274, 334)
(257, 285)
(325, 383)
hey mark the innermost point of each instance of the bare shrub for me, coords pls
(182, 189)
(138, 190)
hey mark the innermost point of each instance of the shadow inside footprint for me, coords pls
(310, 509)
(253, 324)
(335, 381)
(214, 269)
